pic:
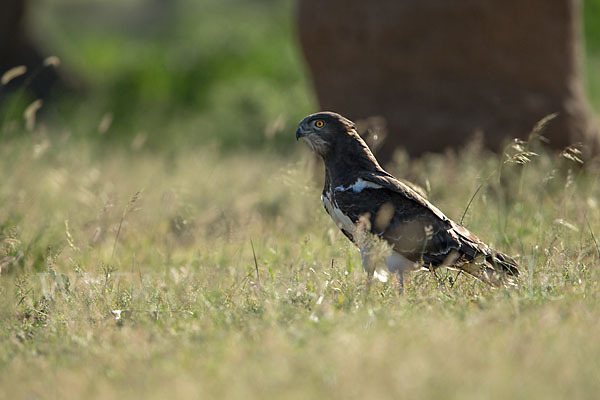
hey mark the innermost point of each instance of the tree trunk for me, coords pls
(438, 72)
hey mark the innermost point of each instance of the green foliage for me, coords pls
(177, 73)
(591, 16)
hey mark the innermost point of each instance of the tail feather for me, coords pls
(497, 270)
(503, 264)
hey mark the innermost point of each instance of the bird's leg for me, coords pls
(398, 264)
(368, 266)
(400, 274)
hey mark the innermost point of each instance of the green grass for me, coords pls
(196, 320)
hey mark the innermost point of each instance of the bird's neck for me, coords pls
(343, 165)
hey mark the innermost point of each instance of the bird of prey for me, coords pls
(367, 202)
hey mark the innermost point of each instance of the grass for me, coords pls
(140, 276)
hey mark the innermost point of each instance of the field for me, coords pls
(135, 276)
(155, 247)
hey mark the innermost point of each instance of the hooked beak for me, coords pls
(300, 133)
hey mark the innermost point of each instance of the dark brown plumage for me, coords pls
(361, 197)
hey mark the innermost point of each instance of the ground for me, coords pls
(135, 275)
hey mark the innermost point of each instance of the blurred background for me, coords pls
(165, 74)
(162, 74)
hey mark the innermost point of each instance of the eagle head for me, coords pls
(325, 131)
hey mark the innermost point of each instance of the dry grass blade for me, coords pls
(255, 262)
(522, 157)
(537, 130)
(573, 153)
(105, 123)
(519, 145)
(462, 218)
(593, 238)
(70, 239)
(51, 61)
(30, 114)
(13, 73)
(126, 211)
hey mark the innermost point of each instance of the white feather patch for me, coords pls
(340, 219)
(359, 186)
(381, 274)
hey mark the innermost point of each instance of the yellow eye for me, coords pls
(319, 124)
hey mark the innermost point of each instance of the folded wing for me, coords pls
(416, 229)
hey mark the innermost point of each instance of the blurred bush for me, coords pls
(591, 23)
(161, 74)
(179, 72)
